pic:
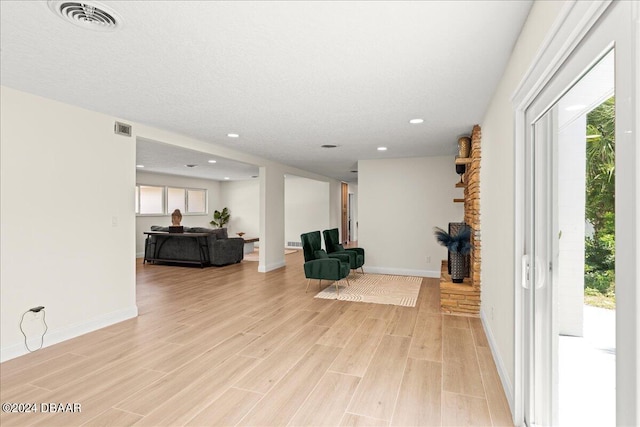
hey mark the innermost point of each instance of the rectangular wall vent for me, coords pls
(294, 244)
(122, 129)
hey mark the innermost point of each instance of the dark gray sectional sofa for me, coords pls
(222, 249)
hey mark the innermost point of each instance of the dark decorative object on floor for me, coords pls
(459, 245)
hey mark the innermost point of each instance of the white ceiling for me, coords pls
(164, 158)
(286, 76)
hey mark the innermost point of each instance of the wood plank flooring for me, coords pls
(230, 346)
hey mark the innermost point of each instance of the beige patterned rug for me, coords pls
(376, 289)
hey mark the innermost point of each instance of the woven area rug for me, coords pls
(376, 289)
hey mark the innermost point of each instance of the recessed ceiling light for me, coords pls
(575, 107)
(212, 161)
(328, 146)
(233, 135)
(226, 177)
(382, 148)
(416, 121)
(139, 166)
(191, 166)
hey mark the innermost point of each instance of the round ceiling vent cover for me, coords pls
(91, 15)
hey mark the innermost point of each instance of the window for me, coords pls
(150, 200)
(176, 199)
(196, 201)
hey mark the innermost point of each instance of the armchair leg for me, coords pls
(362, 269)
(348, 284)
(337, 291)
(307, 288)
(320, 284)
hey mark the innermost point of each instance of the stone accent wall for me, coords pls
(464, 298)
(472, 204)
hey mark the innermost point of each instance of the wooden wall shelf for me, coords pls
(463, 160)
(458, 200)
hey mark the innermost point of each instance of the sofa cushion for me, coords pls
(200, 230)
(219, 233)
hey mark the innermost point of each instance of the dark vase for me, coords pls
(457, 267)
(460, 170)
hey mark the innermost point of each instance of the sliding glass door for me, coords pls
(574, 238)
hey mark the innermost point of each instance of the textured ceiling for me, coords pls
(164, 158)
(286, 76)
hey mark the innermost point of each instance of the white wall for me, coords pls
(335, 202)
(144, 223)
(243, 200)
(353, 193)
(271, 218)
(400, 201)
(67, 219)
(306, 207)
(497, 191)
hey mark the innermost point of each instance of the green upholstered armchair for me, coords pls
(332, 243)
(319, 265)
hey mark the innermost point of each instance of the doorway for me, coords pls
(572, 363)
(344, 203)
(585, 257)
(551, 215)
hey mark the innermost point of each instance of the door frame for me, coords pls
(573, 39)
(344, 213)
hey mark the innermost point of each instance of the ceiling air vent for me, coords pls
(91, 15)
(122, 129)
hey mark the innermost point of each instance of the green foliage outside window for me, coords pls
(600, 201)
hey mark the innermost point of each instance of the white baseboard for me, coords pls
(401, 271)
(140, 255)
(502, 371)
(270, 267)
(56, 336)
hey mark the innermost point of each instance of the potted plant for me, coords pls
(459, 245)
(220, 219)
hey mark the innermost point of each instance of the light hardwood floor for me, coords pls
(231, 346)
